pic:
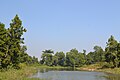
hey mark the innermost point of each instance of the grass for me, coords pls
(21, 74)
(92, 67)
(112, 73)
(53, 67)
(98, 67)
(110, 70)
(24, 72)
(112, 77)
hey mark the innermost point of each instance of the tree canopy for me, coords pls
(110, 56)
(12, 48)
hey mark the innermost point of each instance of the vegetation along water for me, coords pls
(16, 64)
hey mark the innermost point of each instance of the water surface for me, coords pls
(69, 75)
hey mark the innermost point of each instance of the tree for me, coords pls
(99, 55)
(61, 58)
(71, 57)
(23, 58)
(74, 58)
(118, 54)
(48, 51)
(47, 57)
(34, 60)
(12, 50)
(111, 52)
(15, 33)
(4, 56)
(55, 60)
(90, 58)
(85, 56)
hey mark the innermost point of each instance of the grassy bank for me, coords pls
(53, 67)
(24, 72)
(93, 67)
(110, 70)
(21, 74)
(113, 74)
(98, 67)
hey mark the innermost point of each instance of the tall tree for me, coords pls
(74, 58)
(16, 31)
(111, 52)
(71, 57)
(90, 58)
(4, 56)
(118, 54)
(99, 55)
(61, 58)
(47, 57)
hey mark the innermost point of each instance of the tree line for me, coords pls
(110, 56)
(12, 48)
(13, 51)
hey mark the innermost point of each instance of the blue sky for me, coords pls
(64, 24)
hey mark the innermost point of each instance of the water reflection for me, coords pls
(68, 74)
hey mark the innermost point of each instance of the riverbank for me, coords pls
(53, 67)
(25, 72)
(98, 67)
(21, 74)
(110, 70)
(93, 67)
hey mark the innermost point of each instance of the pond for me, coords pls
(48, 74)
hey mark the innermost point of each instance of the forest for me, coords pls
(110, 57)
(13, 51)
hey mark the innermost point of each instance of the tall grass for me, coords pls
(111, 70)
(21, 74)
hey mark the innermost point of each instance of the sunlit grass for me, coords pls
(21, 74)
(24, 73)
(111, 70)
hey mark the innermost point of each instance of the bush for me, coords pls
(108, 65)
(22, 65)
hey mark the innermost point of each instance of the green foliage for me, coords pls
(21, 74)
(72, 58)
(15, 33)
(90, 58)
(110, 57)
(99, 55)
(108, 65)
(12, 50)
(112, 52)
(60, 58)
(75, 58)
(4, 48)
(47, 57)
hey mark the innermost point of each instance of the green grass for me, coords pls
(21, 74)
(25, 72)
(112, 77)
(53, 67)
(110, 70)
(98, 67)
(93, 67)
